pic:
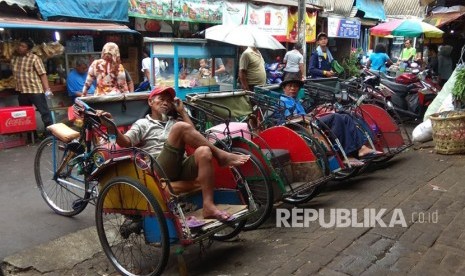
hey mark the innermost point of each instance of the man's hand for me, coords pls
(178, 105)
(107, 117)
(329, 73)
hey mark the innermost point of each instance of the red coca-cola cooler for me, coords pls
(17, 119)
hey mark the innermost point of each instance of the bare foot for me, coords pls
(214, 213)
(232, 159)
(364, 150)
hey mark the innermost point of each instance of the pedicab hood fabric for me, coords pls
(161, 90)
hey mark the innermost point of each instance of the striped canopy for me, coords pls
(407, 28)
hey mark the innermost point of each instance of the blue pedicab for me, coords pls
(140, 213)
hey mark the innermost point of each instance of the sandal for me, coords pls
(221, 216)
(193, 222)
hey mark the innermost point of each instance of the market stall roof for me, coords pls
(22, 3)
(27, 23)
(440, 19)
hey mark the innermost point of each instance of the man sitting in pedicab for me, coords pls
(165, 138)
(341, 125)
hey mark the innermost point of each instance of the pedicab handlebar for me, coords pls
(91, 112)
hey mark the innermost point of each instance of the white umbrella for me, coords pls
(243, 35)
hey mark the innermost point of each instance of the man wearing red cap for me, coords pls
(165, 138)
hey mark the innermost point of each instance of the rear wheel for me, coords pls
(132, 228)
(59, 178)
(261, 188)
(320, 154)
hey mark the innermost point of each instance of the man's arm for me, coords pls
(313, 67)
(44, 80)
(179, 107)
(243, 79)
(121, 139)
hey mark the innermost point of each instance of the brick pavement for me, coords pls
(407, 182)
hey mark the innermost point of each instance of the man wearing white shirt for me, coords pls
(147, 66)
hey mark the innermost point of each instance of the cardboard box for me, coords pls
(17, 119)
(12, 140)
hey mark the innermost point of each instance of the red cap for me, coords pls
(161, 90)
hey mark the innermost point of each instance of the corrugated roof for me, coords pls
(404, 9)
(22, 3)
(340, 7)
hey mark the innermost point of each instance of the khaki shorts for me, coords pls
(175, 166)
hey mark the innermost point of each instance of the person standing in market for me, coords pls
(409, 52)
(147, 70)
(108, 72)
(251, 69)
(321, 58)
(379, 60)
(31, 80)
(76, 79)
(294, 61)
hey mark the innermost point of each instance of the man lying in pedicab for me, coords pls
(341, 125)
(165, 138)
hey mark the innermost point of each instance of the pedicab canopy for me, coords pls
(407, 28)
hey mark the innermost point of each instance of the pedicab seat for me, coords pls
(63, 132)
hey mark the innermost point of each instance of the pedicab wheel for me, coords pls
(232, 230)
(261, 188)
(65, 192)
(132, 228)
(320, 154)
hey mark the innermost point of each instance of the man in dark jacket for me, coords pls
(320, 61)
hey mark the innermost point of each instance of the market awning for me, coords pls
(22, 3)
(440, 19)
(372, 8)
(26, 23)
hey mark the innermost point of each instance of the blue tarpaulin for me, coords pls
(373, 9)
(105, 10)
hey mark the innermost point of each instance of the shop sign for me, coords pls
(339, 27)
(178, 10)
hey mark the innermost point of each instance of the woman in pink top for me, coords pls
(108, 71)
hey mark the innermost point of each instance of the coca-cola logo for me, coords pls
(13, 122)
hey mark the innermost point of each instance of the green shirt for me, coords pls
(407, 53)
(255, 65)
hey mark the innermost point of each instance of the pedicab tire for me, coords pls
(269, 196)
(160, 218)
(74, 209)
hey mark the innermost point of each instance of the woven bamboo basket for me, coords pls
(449, 132)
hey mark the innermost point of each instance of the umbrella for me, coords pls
(243, 35)
(406, 27)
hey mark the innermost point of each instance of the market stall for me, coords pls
(194, 65)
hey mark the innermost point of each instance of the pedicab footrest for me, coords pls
(400, 149)
(307, 186)
(209, 223)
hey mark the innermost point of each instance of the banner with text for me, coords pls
(270, 19)
(292, 32)
(343, 28)
(206, 11)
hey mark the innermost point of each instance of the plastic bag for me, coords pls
(446, 90)
(423, 132)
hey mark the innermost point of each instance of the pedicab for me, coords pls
(321, 96)
(291, 163)
(140, 213)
